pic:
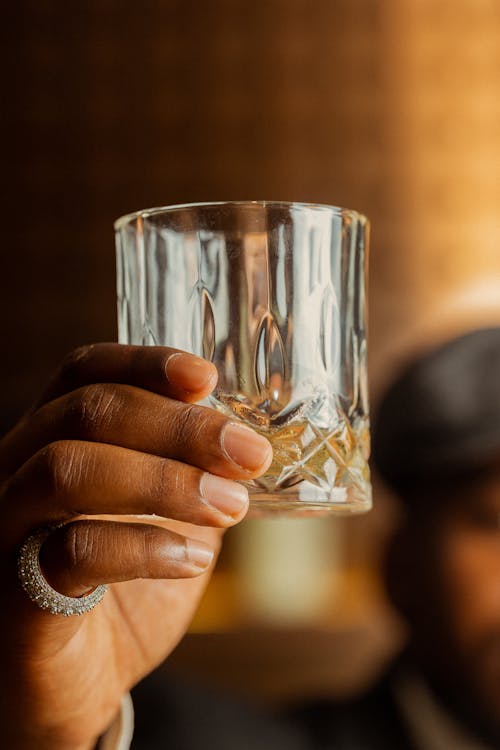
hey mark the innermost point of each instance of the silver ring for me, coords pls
(39, 591)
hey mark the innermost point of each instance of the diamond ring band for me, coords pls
(40, 592)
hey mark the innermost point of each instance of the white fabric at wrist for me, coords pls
(120, 733)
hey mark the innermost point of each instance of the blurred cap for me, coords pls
(440, 420)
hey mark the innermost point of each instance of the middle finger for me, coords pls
(74, 478)
(133, 418)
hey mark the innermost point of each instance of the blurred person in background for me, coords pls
(436, 443)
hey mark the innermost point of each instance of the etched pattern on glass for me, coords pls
(280, 311)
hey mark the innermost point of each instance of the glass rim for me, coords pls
(145, 213)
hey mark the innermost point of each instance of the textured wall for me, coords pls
(441, 266)
(387, 106)
(115, 106)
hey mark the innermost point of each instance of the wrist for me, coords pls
(118, 735)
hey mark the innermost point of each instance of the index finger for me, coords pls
(160, 369)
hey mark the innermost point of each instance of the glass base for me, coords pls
(304, 503)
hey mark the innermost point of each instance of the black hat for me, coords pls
(441, 419)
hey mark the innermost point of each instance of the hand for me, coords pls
(117, 434)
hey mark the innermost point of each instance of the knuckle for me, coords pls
(178, 485)
(92, 408)
(150, 551)
(166, 481)
(191, 423)
(60, 466)
(78, 546)
(156, 482)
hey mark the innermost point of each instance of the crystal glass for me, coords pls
(274, 295)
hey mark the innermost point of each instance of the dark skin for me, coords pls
(444, 575)
(117, 434)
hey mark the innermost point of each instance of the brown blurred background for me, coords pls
(390, 107)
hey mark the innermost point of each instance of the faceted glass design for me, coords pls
(274, 295)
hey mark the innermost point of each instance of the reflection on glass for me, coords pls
(274, 295)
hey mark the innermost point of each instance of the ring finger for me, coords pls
(81, 555)
(74, 478)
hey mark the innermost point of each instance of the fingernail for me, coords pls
(228, 497)
(199, 554)
(245, 447)
(190, 373)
